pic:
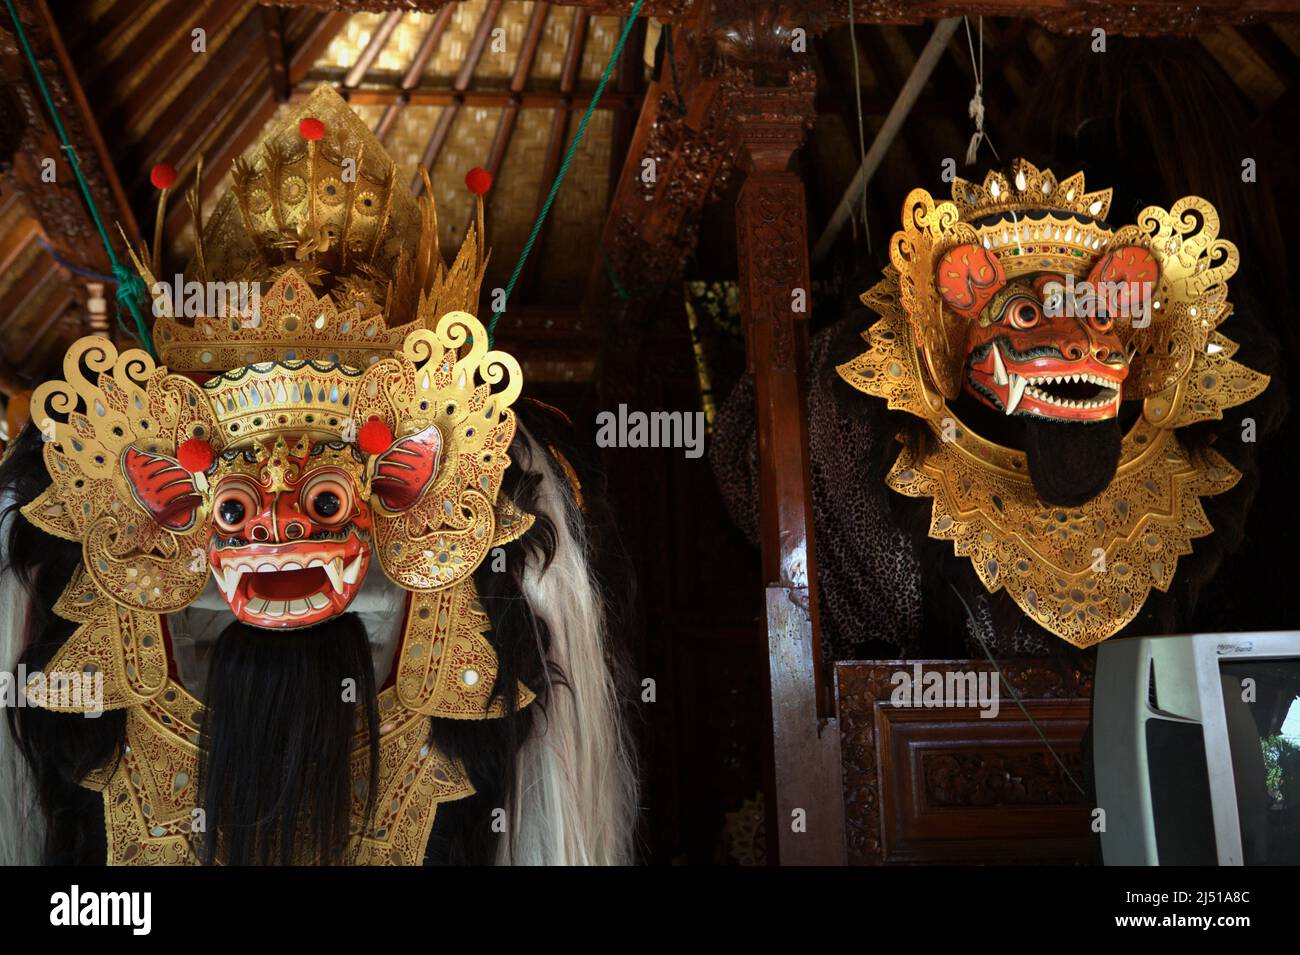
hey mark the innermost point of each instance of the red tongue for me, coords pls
(287, 584)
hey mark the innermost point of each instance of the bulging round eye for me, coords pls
(232, 512)
(1023, 313)
(235, 503)
(1102, 323)
(326, 503)
(327, 498)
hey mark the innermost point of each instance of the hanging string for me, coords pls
(862, 138)
(130, 287)
(74, 269)
(976, 109)
(564, 168)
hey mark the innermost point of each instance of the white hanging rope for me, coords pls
(976, 109)
(925, 64)
(862, 138)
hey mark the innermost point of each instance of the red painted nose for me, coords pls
(282, 523)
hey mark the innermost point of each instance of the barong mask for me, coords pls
(356, 416)
(1017, 293)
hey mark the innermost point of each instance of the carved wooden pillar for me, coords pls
(805, 798)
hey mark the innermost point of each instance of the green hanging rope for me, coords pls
(564, 167)
(130, 287)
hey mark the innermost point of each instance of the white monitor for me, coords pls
(1196, 749)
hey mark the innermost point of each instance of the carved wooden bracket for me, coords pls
(58, 205)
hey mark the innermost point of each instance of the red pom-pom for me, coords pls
(311, 129)
(374, 437)
(479, 180)
(163, 175)
(195, 455)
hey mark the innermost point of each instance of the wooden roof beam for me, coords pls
(555, 143)
(463, 77)
(59, 206)
(477, 44)
(167, 63)
(1132, 18)
(510, 114)
(277, 57)
(415, 72)
(53, 312)
(573, 52)
(371, 53)
(203, 105)
(304, 56)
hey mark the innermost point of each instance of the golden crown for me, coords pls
(1027, 188)
(342, 261)
(1032, 222)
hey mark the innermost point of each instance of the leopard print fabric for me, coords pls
(871, 570)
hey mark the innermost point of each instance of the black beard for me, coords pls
(1071, 462)
(275, 779)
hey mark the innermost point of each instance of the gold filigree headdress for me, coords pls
(365, 359)
(1081, 572)
(320, 202)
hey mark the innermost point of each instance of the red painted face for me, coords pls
(1042, 345)
(295, 555)
(290, 528)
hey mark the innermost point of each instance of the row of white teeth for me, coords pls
(1072, 379)
(1019, 385)
(228, 575)
(287, 608)
(1047, 399)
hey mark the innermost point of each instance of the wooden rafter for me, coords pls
(225, 80)
(17, 303)
(477, 44)
(461, 83)
(498, 98)
(304, 56)
(14, 242)
(518, 80)
(378, 40)
(57, 305)
(574, 51)
(558, 136)
(415, 72)
(428, 46)
(1131, 18)
(229, 120)
(167, 58)
(277, 59)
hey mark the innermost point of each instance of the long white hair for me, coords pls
(575, 799)
(22, 824)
